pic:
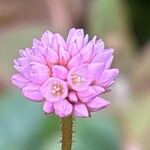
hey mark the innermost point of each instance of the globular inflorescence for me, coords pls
(68, 76)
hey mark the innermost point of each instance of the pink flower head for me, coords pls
(69, 75)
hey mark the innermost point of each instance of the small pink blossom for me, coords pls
(67, 76)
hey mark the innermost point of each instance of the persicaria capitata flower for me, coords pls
(68, 76)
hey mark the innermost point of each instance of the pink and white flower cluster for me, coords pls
(68, 76)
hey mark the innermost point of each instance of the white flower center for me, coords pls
(57, 89)
(77, 78)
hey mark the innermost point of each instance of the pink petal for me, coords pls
(98, 51)
(96, 57)
(19, 80)
(63, 56)
(60, 40)
(39, 59)
(48, 87)
(35, 43)
(72, 97)
(29, 52)
(87, 52)
(107, 77)
(80, 110)
(75, 61)
(74, 50)
(39, 53)
(39, 49)
(59, 72)
(63, 108)
(102, 56)
(48, 107)
(37, 72)
(51, 57)
(95, 70)
(76, 41)
(31, 91)
(47, 38)
(109, 62)
(99, 46)
(70, 35)
(77, 36)
(86, 38)
(55, 44)
(23, 61)
(19, 68)
(94, 39)
(97, 103)
(90, 93)
(16, 62)
(22, 53)
(107, 55)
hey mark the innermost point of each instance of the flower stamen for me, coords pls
(57, 89)
(77, 78)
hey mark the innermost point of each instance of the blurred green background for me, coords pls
(125, 26)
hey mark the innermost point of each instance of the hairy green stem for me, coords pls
(67, 131)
